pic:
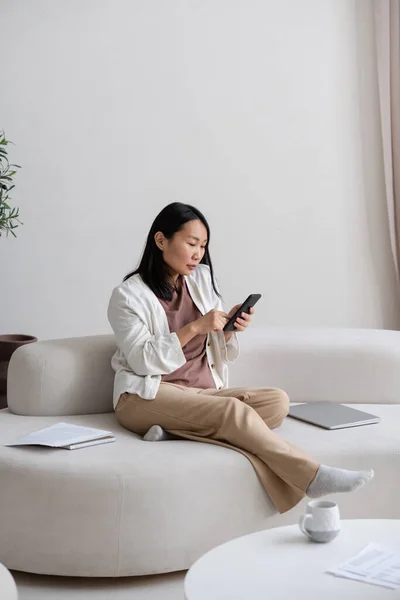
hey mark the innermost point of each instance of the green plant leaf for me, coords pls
(8, 216)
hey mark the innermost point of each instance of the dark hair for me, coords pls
(152, 267)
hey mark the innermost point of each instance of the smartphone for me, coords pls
(247, 304)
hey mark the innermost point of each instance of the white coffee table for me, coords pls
(282, 564)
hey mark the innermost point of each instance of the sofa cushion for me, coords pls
(70, 376)
(74, 375)
(135, 507)
(126, 508)
(322, 363)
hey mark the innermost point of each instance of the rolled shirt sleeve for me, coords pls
(230, 350)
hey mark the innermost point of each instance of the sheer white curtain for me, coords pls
(387, 41)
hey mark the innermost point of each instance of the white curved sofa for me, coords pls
(134, 507)
(8, 589)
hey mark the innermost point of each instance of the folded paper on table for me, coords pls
(375, 564)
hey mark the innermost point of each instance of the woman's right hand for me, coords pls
(214, 320)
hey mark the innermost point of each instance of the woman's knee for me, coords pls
(284, 402)
(127, 415)
(281, 407)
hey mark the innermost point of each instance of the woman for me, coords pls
(172, 364)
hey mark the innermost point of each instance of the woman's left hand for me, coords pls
(243, 321)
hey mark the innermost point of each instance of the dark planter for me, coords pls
(8, 345)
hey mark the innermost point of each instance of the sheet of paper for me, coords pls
(375, 564)
(61, 434)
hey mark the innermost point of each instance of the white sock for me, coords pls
(330, 480)
(157, 434)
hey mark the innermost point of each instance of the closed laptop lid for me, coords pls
(331, 415)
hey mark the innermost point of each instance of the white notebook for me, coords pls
(66, 435)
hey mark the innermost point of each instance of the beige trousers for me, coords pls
(237, 418)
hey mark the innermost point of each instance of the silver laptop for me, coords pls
(331, 415)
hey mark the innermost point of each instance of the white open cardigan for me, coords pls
(146, 347)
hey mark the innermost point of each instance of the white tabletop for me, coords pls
(282, 564)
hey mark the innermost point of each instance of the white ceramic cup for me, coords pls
(321, 523)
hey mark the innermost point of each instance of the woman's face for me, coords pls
(183, 252)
